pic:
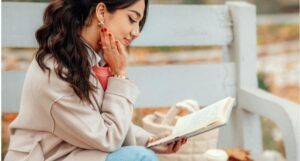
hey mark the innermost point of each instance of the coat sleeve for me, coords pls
(141, 135)
(79, 124)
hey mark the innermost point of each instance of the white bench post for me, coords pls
(244, 130)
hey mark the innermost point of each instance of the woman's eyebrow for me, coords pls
(136, 12)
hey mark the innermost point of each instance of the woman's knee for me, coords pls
(147, 154)
(134, 153)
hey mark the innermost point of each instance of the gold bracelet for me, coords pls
(120, 76)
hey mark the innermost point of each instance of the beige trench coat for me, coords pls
(54, 124)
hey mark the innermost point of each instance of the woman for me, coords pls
(71, 110)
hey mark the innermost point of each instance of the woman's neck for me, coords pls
(90, 36)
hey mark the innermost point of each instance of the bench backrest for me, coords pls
(232, 26)
(168, 25)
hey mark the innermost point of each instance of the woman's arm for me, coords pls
(78, 124)
(141, 135)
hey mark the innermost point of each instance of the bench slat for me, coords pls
(165, 85)
(12, 84)
(169, 25)
(21, 22)
(159, 85)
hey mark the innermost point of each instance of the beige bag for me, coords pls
(195, 147)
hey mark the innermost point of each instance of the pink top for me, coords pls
(102, 73)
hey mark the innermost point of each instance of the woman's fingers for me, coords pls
(116, 60)
(185, 140)
(105, 41)
(121, 48)
(177, 145)
(110, 44)
(170, 147)
(118, 44)
(113, 44)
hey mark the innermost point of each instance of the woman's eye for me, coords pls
(131, 20)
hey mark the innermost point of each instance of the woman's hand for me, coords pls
(168, 148)
(114, 53)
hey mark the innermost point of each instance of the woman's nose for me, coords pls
(135, 33)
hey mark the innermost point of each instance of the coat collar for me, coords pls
(96, 58)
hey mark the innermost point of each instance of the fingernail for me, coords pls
(109, 34)
(105, 29)
(101, 30)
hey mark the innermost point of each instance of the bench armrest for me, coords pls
(283, 112)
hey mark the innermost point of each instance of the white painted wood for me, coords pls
(244, 127)
(284, 113)
(177, 25)
(165, 85)
(170, 25)
(20, 22)
(226, 55)
(159, 85)
(244, 46)
(12, 83)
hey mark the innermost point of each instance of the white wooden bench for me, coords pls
(232, 26)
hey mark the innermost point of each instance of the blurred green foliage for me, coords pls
(261, 81)
(269, 143)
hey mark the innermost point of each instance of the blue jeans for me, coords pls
(132, 153)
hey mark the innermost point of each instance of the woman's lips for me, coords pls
(127, 42)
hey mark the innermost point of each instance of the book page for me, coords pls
(200, 118)
(228, 108)
(204, 120)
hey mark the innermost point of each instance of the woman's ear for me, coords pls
(100, 11)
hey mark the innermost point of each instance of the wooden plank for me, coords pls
(167, 25)
(159, 85)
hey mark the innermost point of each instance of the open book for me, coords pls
(206, 119)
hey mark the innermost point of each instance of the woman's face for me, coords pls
(122, 22)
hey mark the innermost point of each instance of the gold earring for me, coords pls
(100, 23)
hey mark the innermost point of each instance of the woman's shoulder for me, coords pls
(46, 82)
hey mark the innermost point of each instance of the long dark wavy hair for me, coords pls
(59, 37)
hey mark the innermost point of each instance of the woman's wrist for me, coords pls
(119, 72)
(120, 76)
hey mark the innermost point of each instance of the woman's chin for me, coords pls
(125, 42)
